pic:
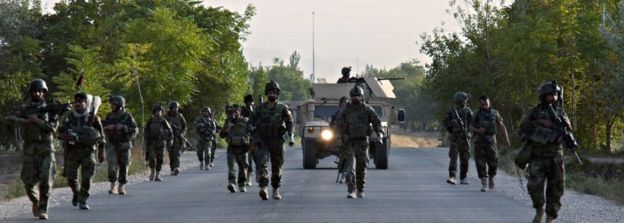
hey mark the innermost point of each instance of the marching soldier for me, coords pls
(82, 131)
(247, 111)
(355, 123)
(457, 122)
(120, 130)
(205, 129)
(238, 134)
(272, 122)
(339, 141)
(346, 72)
(178, 124)
(157, 134)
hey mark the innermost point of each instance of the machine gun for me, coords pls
(391, 78)
(55, 109)
(563, 131)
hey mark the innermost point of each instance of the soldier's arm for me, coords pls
(131, 127)
(169, 135)
(182, 124)
(502, 128)
(97, 125)
(473, 123)
(288, 120)
(566, 120)
(527, 125)
(374, 120)
(447, 122)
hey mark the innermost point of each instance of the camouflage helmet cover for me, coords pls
(117, 100)
(272, 86)
(460, 96)
(547, 88)
(345, 71)
(174, 104)
(206, 109)
(38, 84)
(356, 91)
(158, 108)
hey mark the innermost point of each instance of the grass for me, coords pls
(16, 187)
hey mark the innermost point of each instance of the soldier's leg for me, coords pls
(112, 160)
(159, 156)
(277, 161)
(262, 167)
(213, 151)
(464, 157)
(200, 151)
(480, 159)
(453, 153)
(30, 175)
(87, 171)
(555, 186)
(492, 160)
(124, 162)
(177, 148)
(46, 178)
(535, 186)
(72, 163)
(151, 155)
(231, 161)
(241, 160)
(361, 164)
(350, 166)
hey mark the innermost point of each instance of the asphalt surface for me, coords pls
(413, 189)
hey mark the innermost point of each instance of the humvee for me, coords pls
(314, 116)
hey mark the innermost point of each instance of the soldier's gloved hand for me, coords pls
(380, 136)
(291, 139)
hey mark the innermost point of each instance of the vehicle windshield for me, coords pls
(325, 111)
(379, 110)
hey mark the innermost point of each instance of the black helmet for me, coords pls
(157, 108)
(206, 109)
(356, 91)
(547, 88)
(174, 104)
(248, 98)
(460, 96)
(80, 97)
(117, 100)
(345, 71)
(38, 84)
(272, 86)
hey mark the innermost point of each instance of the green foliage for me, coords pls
(506, 52)
(85, 62)
(288, 76)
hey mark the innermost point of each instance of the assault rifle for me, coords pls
(563, 130)
(460, 121)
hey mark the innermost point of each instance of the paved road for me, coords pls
(412, 190)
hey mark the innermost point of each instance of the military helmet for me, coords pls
(157, 108)
(345, 71)
(248, 98)
(206, 109)
(38, 84)
(547, 88)
(117, 100)
(356, 91)
(174, 104)
(460, 96)
(272, 86)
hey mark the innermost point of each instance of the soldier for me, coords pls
(157, 133)
(238, 134)
(213, 143)
(546, 160)
(346, 72)
(120, 130)
(485, 125)
(205, 129)
(457, 122)
(339, 140)
(246, 111)
(178, 124)
(355, 125)
(82, 131)
(38, 128)
(272, 122)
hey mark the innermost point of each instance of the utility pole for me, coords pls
(313, 76)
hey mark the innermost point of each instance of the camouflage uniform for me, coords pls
(486, 156)
(38, 162)
(546, 161)
(247, 111)
(80, 154)
(178, 124)
(459, 145)
(205, 128)
(157, 133)
(339, 143)
(119, 143)
(271, 123)
(355, 124)
(238, 138)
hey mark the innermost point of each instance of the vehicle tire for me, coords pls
(381, 155)
(309, 154)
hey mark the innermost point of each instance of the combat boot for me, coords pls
(157, 177)
(83, 206)
(248, 183)
(152, 173)
(451, 180)
(539, 214)
(463, 181)
(484, 183)
(242, 188)
(35, 208)
(43, 215)
(491, 183)
(75, 200)
(121, 190)
(343, 178)
(264, 193)
(231, 188)
(351, 195)
(360, 194)
(276, 194)
(175, 171)
(113, 189)
(549, 219)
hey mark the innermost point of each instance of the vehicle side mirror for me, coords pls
(401, 116)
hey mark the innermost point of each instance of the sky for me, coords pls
(382, 33)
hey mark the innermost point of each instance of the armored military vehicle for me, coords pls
(317, 138)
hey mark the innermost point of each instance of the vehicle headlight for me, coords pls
(327, 135)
